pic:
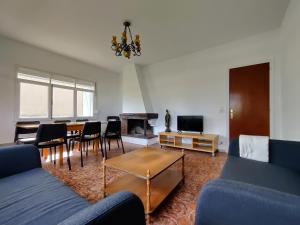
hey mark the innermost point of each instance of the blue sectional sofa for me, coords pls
(251, 192)
(30, 195)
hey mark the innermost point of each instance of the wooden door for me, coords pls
(249, 104)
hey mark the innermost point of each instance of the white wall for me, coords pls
(290, 37)
(13, 54)
(133, 101)
(198, 84)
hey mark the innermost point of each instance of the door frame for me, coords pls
(274, 93)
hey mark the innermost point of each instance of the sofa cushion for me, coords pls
(262, 174)
(282, 153)
(36, 197)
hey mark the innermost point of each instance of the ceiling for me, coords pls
(82, 29)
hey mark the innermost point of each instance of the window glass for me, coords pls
(62, 102)
(85, 102)
(33, 100)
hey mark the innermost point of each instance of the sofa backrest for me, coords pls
(18, 158)
(282, 153)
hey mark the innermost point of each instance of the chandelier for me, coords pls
(133, 47)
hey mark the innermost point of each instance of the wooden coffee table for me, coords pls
(149, 175)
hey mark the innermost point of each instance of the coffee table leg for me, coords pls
(104, 177)
(61, 155)
(148, 197)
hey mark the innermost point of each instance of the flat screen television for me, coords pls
(190, 123)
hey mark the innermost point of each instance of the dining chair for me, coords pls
(62, 121)
(53, 136)
(91, 132)
(71, 136)
(113, 118)
(112, 132)
(82, 120)
(26, 131)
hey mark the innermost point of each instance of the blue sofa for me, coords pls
(249, 192)
(30, 195)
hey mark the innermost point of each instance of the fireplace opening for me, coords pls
(136, 128)
(137, 124)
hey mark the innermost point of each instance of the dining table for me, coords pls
(71, 127)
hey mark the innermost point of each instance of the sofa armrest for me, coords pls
(226, 202)
(17, 159)
(119, 208)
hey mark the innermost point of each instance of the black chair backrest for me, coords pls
(82, 120)
(113, 118)
(20, 130)
(91, 128)
(27, 122)
(49, 132)
(113, 127)
(62, 121)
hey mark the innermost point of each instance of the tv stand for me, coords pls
(197, 142)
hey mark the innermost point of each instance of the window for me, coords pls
(85, 102)
(62, 102)
(33, 100)
(45, 95)
(33, 94)
(85, 98)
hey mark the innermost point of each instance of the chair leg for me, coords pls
(50, 151)
(118, 143)
(73, 144)
(122, 145)
(81, 160)
(105, 152)
(70, 143)
(54, 155)
(108, 144)
(87, 149)
(68, 154)
(101, 147)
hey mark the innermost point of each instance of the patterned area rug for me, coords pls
(177, 209)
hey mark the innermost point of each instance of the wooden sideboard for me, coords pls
(196, 142)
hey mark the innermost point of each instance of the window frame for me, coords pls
(50, 95)
(94, 97)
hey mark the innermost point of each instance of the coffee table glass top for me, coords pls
(138, 162)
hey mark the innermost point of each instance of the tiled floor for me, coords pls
(177, 209)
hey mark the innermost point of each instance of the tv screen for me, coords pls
(190, 123)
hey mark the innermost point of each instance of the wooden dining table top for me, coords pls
(70, 126)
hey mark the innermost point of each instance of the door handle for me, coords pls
(231, 114)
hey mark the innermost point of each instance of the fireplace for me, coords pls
(137, 124)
